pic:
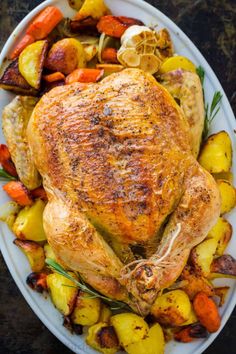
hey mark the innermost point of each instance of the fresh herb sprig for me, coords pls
(4, 176)
(114, 305)
(212, 110)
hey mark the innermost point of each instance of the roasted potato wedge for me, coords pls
(223, 267)
(105, 314)
(192, 318)
(202, 256)
(63, 292)
(103, 338)
(216, 154)
(228, 196)
(92, 8)
(66, 55)
(195, 283)
(222, 292)
(15, 118)
(9, 212)
(129, 327)
(222, 233)
(34, 252)
(12, 80)
(29, 222)
(87, 310)
(153, 343)
(31, 62)
(172, 308)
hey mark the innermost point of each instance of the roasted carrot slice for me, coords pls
(22, 44)
(115, 26)
(84, 75)
(184, 336)
(57, 76)
(18, 192)
(109, 55)
(6, 161)
(207, 312)
(39, 193)
(45, 22)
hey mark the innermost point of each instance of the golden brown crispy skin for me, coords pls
(116, 162)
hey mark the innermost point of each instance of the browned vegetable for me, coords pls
(222, 292)
(18, 192)
(224, 266)
(34, 252)
(87, 26)
(37, 281)
(207, 312)
(6, 161)
(195, 283)
(65, 56)
(115, 26)
(12, 80)
(190, 333)
(103, 338)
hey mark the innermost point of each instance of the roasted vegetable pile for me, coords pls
(58, 51)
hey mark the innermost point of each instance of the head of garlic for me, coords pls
(138, 46)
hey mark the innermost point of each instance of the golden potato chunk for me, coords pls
(172, 308)
(66, 55)
(129, 327)
(87, 310)
(228, 196)
(221, 232)
(49, 252)
(202, 256)
(216, 154)
(63, 292)
(31, 61)
(34, 253)
(192, 318)
(154, 343)
(76, 4)
(12, 80)
(92, 8)
(103, 338)
(29, 222)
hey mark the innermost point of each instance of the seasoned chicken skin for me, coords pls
(117, 165)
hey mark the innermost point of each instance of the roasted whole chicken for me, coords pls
(127, 198)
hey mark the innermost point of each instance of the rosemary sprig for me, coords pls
(114, 305)
(214, 107)
(4, 176)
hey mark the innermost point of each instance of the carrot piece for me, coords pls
(183, 336)
(207, 312)
(45, 22)
(39, 193)
(18, 192)
(6, 161)
(57, 76)
(84, 75)
(109, 55)
(115, 26)
(22, 44)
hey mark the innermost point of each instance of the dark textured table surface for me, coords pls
(211, 26)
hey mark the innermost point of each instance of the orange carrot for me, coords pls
(18, 192)
(109, 55)
(84, 75)
(57, 76)
(207, 312)
(39, 193)
(184, 336)
(22, 44)
(45, 22)
(115, 26)
(6, 161)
